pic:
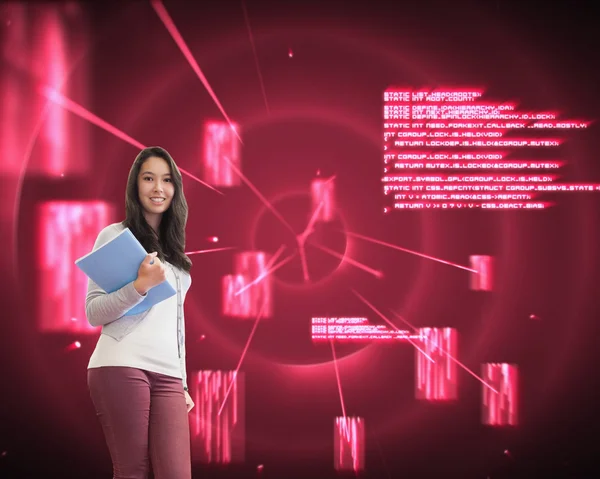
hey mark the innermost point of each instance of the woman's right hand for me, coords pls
(150, 275)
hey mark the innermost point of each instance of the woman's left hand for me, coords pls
(188, 401)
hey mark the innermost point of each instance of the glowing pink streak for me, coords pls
(449, 355)
(374, 272)
(364, 300)
(199, 180)
(269, 269)
(262, 276)
(168, 22)
(80, 111)
(393, 246)
(260, 78)
(302, 252)
(259, 194)
(309, 227)
(301, 239)
(260, 313)
(339, 384)
(210, 250)
(162, 13)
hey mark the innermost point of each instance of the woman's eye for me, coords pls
(147, 178)
(168, 180)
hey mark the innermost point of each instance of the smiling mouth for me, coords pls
(157, 201)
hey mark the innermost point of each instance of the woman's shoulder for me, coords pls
(108, 233)
(113, 229)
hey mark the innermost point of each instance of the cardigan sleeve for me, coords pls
(101, 307)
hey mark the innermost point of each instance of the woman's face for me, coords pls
(155, 188)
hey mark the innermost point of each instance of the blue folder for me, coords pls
(116, 264)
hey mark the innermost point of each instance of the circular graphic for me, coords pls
(318, 246)
(285, 343)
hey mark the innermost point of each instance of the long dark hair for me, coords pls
(170, 242)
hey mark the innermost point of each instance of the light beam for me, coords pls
(374, 272)
(260, 313)
(75, 108)
(399, 248)
(164, 16)
(449, 355)
(382, 316)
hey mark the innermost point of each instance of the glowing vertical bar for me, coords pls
(436, 380)
(47, 58)
(221, 149)
(501, 408)
(234, 304)
(56, 59)
(14, 121)
(55, 131)
(67, 231)
(349, 443)
(483, 280)
(9, 133)
(13, 97)
(253, 265)
(323, 197)
(218, 438)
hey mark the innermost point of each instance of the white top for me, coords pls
(153, 340)
(152, 345)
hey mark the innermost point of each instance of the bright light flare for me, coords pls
(382, 316)
(378, 274)
(214, 250)
(251, 37)
(162, 13)
(396, 247)
(244, 351)
(73, 346)
(268, 269)
(55, 97)
(337, 377)
(481, 380)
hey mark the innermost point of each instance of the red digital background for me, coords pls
(394, 230)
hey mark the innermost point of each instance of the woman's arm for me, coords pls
(101, 307)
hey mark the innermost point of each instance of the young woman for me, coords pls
(137, 375)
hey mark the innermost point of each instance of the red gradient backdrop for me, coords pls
(311, 125)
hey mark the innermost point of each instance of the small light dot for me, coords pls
(77, 344)
(290, 53)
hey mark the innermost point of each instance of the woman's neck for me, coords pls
(154, 222)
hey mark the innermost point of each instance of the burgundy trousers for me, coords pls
(145, 422)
